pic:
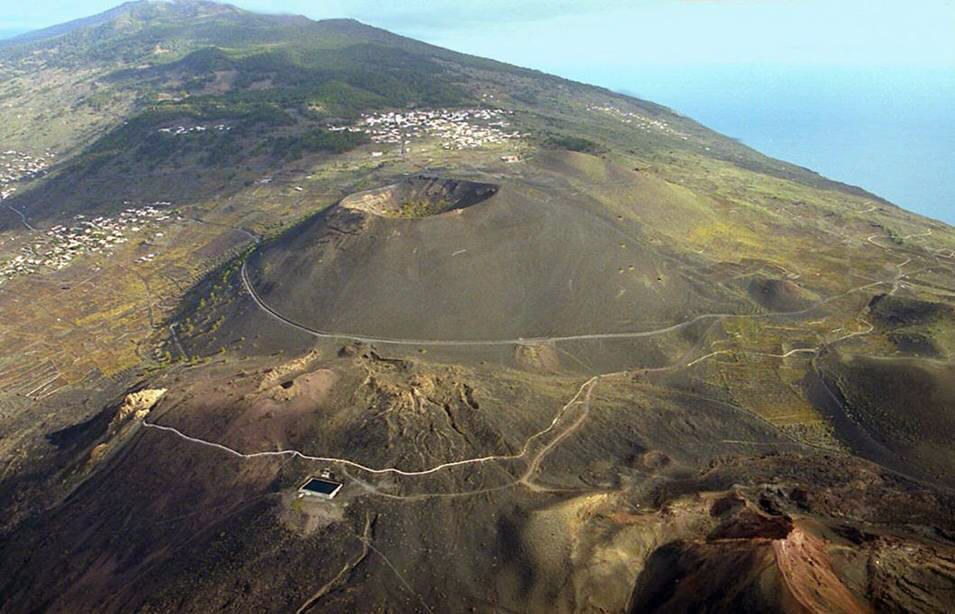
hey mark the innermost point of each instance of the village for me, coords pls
(181, 130)
(456, 128)
(60, 245)
(18, 166)
(642, 122)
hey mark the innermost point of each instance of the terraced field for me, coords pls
(614, 361)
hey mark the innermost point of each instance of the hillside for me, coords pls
(563, 349)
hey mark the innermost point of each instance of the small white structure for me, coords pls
(323, 487)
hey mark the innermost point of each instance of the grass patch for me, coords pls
(573, 143)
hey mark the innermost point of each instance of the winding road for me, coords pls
(585, 388)
(583, 394)
(363, 338)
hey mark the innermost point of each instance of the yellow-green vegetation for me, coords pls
(624, 312)
(675, 202)
(420, 208)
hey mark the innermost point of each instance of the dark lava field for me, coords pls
(564, 350)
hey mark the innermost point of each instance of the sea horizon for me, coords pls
(889, 132)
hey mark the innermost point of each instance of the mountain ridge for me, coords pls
(563, 349)
(373, 35)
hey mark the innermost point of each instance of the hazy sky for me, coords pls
(619, 32)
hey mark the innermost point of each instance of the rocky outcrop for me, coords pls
(136, 404)
(420, 196)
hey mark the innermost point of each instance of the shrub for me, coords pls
(574, 143)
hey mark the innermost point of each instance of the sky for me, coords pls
(823, 83)
(576, 33)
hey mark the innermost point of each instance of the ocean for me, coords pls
(889, 131)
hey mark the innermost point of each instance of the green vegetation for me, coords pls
(421, 208)
(141, 137)
(315, 141)
(342, 80)
(200, 312)
(720, 301)
(99, 100)
(574, 143)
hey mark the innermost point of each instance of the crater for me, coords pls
(896, 311)
(780, 295)
(420, 196)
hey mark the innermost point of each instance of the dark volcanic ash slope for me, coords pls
(481, 478)
(897, 408)
(633, 497)
(522, 262)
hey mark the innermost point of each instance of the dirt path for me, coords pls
(533, 466)
(588, 385)
(586, 389)
(538, 340)
(175, 337)
(254, 237)
(346, 569)
(23, 218)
